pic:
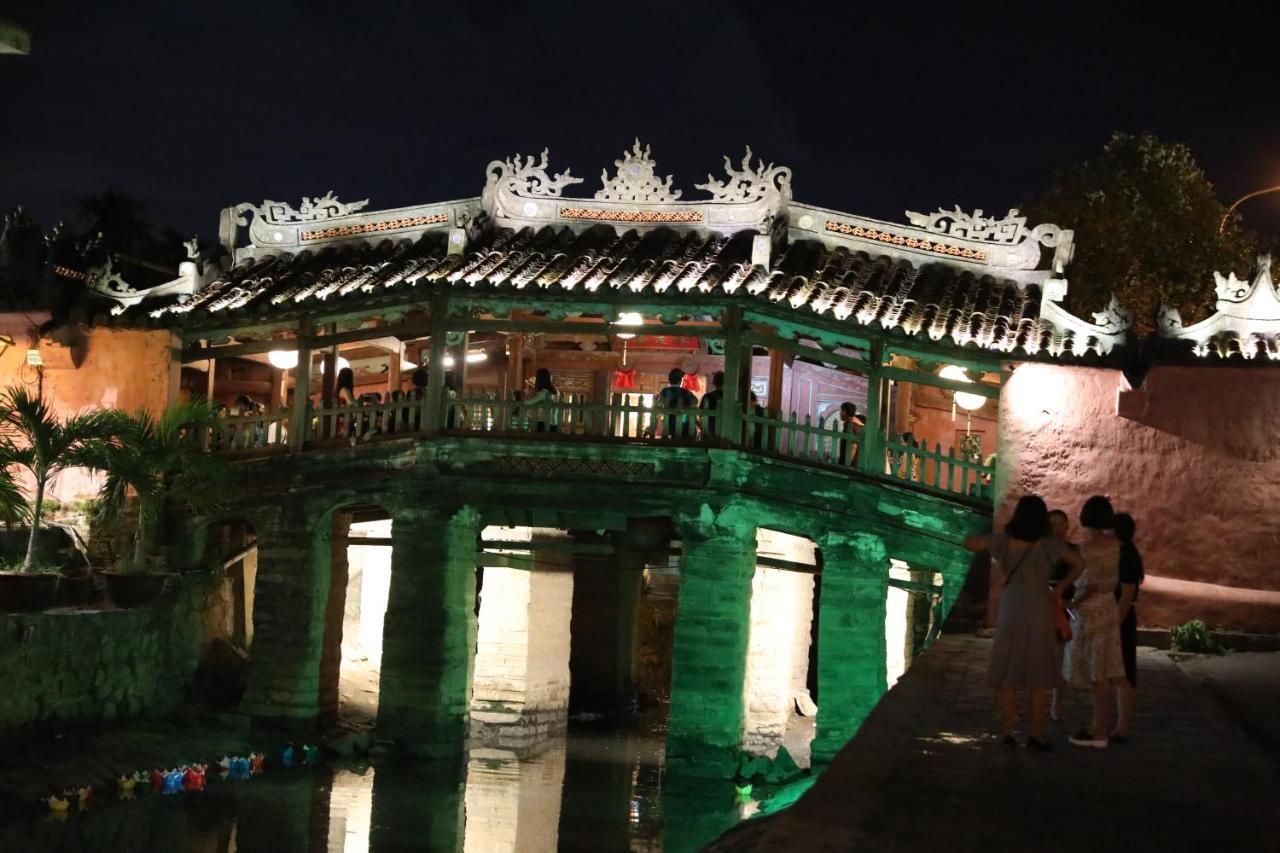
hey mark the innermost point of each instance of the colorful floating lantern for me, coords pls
(193, 778)
(310, 753)
(286, 757)
(173, 781)
(58, 804)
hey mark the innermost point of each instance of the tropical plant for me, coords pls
(156, 459)
(1193, 636)
(33, 438)
(13, 506)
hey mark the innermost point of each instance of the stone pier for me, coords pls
(429, 631)
(710, 649)
(851, 637)
(291, 598)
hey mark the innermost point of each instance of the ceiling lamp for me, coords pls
(966, 401)
(477, 357)
(284, 359)
(628, 318)
(448, 361)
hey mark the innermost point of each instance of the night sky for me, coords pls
(193, 108)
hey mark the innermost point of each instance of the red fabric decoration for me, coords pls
(624, 378)
(692, 382)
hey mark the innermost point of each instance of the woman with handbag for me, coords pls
(1092, 658)
(1025, 653)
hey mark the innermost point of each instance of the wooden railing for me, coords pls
(249, 432)
(627, 418)
(801, 439)
(944, 473)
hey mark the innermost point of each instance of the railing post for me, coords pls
(871, 454)
(298, 424)
(433, 401)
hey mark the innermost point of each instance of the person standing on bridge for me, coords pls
(1025, 654)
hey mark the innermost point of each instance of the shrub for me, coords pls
(1193, 636)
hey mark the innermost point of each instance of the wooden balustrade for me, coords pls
(805, 439)
(944, 473)
(627, 418)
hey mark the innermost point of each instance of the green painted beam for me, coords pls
(921, 378)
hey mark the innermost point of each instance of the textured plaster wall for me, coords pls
(90, 666)
(121, 369)
(1196, 461)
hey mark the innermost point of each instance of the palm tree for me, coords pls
(157, 459)
(32, 437)
(13, 506)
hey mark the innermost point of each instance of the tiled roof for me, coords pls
(936, 300)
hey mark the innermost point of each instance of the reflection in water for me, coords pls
(603, 788)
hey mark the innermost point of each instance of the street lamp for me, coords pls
(1223, 224)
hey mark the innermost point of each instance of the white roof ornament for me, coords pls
(1011, 230)
(1247, 319)
(518, 192)
(636, 180)
(315, 209)
(1115, 317)
(747, 184)
(528, 177)
(107, 281)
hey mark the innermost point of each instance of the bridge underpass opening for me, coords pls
(779, 708)
(911, 615)
(520, 681)
(362, 547)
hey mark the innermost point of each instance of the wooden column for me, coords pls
(729, 416)
(393, 369)
(433, 400)
(774, 390)
(208, 388)
(276, 398)
(774, 394)
(515, 363)
(871, 452)
(299, 419)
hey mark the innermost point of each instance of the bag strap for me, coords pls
(1018, 564)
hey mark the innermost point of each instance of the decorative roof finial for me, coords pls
(748, 184)
(636, 180)
(528, 177)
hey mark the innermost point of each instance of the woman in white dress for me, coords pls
(1092, 658)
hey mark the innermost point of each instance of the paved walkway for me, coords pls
(925, 773)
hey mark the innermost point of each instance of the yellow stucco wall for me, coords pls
(123, 369)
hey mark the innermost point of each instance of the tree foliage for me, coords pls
(157, 459)
(33, 438)
(1146, 228)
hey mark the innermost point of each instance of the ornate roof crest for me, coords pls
(747, 184)
(315, 209)
(1245, 311)
(527, 177)
(636, 180)
(1011, 229)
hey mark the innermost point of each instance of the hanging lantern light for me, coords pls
(283, 359)
(966, 401)
(628, 318)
